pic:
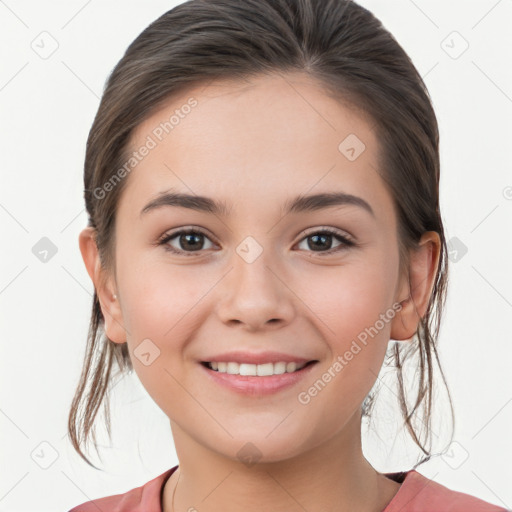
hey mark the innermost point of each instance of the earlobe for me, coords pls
(105, 289)
(414, 296)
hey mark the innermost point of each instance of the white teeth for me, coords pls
(260, 370)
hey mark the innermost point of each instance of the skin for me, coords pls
(254, 144)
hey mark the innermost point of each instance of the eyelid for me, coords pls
(329, 229)
(185, 229)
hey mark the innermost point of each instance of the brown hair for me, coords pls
(349, 52)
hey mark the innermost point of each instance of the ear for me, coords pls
(414, 293)
(104, 286)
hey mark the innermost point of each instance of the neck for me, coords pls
(332, 477)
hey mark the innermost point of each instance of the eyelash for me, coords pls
(167, 237)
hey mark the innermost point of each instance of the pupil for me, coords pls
(319, 237)
(187, 237)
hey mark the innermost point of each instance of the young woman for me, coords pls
(262, 181)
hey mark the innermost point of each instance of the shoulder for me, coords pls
(146, 498)
(421, 494)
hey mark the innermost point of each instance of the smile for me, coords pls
(257, 379)
(260, 370)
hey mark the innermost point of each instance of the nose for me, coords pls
(255, 295)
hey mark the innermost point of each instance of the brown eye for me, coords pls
(320, 240)
(185, 241)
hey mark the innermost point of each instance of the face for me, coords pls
(312, 283)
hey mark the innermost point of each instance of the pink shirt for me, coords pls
(416, 494)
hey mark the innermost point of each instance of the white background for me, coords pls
(47, 107)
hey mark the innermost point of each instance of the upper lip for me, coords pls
(256, 358)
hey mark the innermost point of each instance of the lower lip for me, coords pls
(252, 385)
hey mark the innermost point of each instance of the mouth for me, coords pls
(257, 380)
(256, 370)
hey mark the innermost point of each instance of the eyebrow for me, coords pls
(297, 204)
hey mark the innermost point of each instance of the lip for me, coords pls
(240, 357)
(258, 386)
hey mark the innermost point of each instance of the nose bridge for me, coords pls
(254, 293)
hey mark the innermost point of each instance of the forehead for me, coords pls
(257, 140)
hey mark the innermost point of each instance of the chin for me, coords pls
(252, 448)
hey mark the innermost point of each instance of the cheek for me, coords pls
(161, 310)
(158, 297)
(354, 314)
(348, 299)
(353, 305)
